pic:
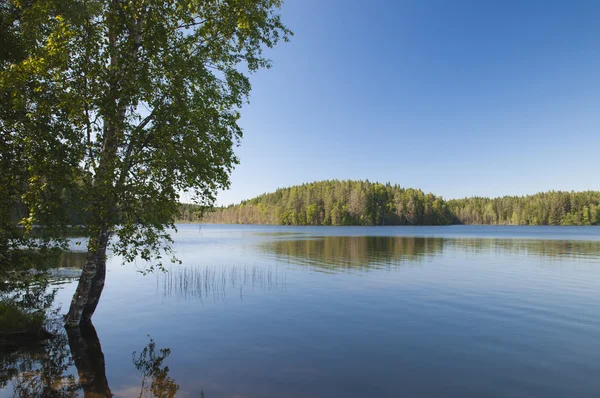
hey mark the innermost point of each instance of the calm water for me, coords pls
(259, 311)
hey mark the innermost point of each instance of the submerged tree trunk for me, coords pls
(91, 281)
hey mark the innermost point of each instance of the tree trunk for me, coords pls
(91, 281)
(92, 278)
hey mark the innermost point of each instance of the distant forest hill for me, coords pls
(370, 203)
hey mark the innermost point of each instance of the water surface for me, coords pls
(257, 311)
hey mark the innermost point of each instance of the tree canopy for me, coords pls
(338, 203)
(122, 106)
(544, 208)
(366, 203)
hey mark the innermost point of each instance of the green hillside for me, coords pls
(369, 203)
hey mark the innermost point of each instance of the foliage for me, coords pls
(119, 107)
(26, 291)
(546, 208)
(366, 203)
(25, 302)
(15, 319)
(190, 213)
(338, 203)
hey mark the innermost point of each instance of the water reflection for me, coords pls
(43, 370)
(155, 376)
(549, 249)
(365, 252)
(362, 252)
(89, 360)
(34, 289)
(72, 259)
(209, 282)
(39, 370)
(68, 267)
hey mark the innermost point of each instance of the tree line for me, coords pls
(338, 203)
(545, 208)
(335, 202)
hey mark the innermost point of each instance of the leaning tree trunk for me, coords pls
(91, 281)
(105, 187)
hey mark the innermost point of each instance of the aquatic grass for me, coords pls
(204, 282)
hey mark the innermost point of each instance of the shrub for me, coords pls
(14, 320)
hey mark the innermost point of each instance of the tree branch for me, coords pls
(189, 25)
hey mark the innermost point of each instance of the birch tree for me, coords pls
(132, 102)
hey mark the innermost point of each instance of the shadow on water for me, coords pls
(43, 370)
(209, 282)
(339, 253)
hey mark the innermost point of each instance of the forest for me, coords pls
(348, 202)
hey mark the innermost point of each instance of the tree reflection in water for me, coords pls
(39, 370)
(42, 370)
(346, 253)
(155, 377)
(89, 360)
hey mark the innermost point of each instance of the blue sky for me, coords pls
(458, 98)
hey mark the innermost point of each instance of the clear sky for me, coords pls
(458, 98)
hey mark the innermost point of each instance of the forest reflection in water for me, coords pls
(366, 252)
(209, 282)
(42, 370)
(72, 259)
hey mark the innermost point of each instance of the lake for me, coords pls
(269, 311)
